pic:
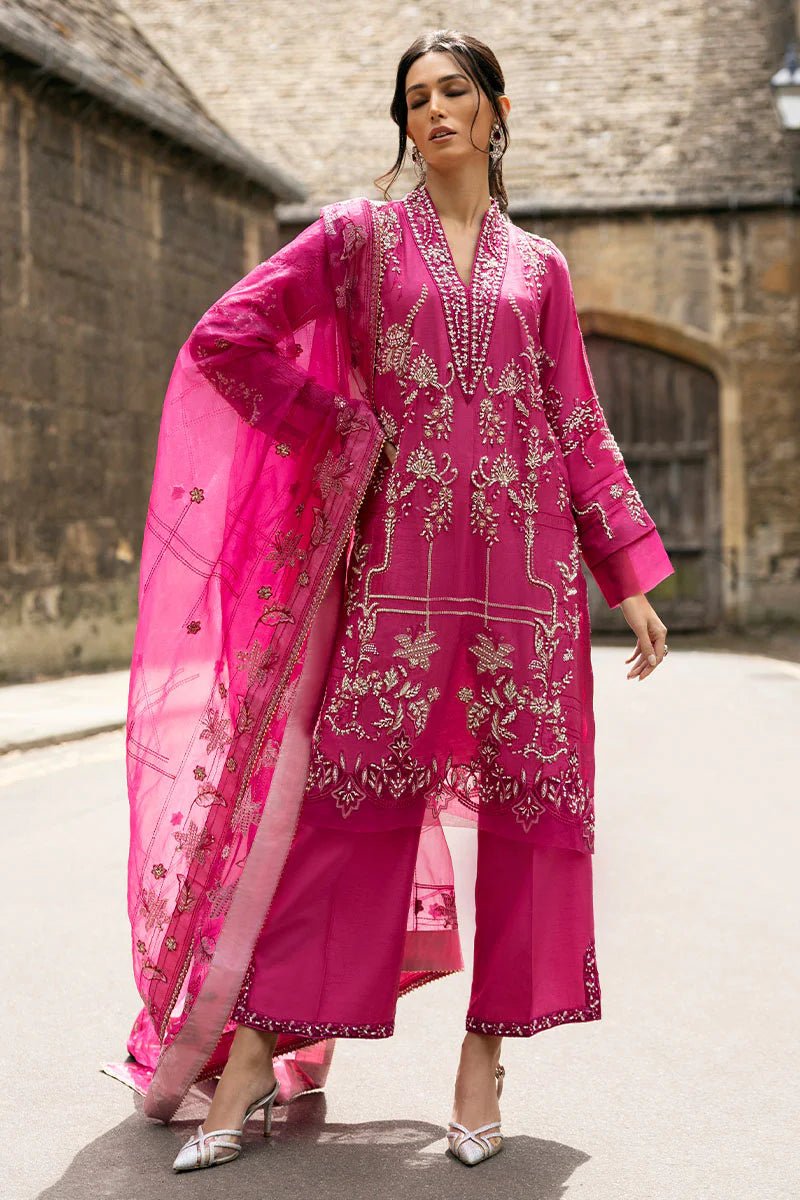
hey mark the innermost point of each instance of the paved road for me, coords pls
(685, 1090)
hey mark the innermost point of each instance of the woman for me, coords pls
(407, 380)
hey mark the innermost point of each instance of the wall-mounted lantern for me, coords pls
(785, 85)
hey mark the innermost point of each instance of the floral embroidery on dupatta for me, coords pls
(469, 309)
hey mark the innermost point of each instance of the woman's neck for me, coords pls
(461, 198)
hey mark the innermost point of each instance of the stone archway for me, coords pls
(663, 404)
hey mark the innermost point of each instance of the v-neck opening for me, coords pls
(469, 309)
(484, 219)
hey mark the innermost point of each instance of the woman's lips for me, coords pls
(441, 137)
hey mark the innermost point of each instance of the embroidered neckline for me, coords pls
(469, 309)
(437, 220)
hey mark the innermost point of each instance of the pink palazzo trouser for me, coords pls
(327, 961)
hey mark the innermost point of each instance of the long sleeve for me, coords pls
(255, 344)
(619, 540)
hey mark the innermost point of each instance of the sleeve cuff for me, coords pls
(635, 568)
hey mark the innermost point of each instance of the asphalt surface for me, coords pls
(685, 1090)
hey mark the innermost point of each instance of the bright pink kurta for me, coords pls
(461, 686)
(462, 679)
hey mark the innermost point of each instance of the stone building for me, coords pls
(646, 146)
(135, 189)
(125, 210)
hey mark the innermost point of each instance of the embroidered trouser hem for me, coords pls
(328, 960)
(534, 964)
(317, 1029)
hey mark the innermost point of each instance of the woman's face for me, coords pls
(440, 98)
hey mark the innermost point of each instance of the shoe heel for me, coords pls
(268, 1118)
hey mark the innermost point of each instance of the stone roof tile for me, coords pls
(662, 102)
(97, 46)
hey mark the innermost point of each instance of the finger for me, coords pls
(646, 645)
(643, 670)
(658, 642)
(638, 666)
(658, 646)
(634, 652)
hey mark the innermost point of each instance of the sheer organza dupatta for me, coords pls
(268, 440)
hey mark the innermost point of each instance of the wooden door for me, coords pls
(664, 413)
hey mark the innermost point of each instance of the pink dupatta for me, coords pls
(267, 443)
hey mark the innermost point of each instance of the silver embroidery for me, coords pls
(469, 310)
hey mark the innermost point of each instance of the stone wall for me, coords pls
(113, 242)
(721, 290)
(662, 105)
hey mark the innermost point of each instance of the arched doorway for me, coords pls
(664, 413)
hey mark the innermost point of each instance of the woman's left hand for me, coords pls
(651, 635)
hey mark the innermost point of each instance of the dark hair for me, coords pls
(482, 67)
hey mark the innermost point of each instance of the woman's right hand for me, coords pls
(390, 450)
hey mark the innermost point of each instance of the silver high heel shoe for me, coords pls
(472, 1146)
(200, 1151)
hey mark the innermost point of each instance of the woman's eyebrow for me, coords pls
(441, 79)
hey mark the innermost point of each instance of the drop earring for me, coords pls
(420, 166)
(496, 150)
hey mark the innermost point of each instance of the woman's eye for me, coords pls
(451, 95)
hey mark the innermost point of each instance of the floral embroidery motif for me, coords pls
(286, 549)
(396, 341)
(194, 842)
(417, 650)
(469, 311)
(387, 232)
(216, 731)
(353, 237)
(404, 780)
(521, 674)
(330, 472)
(245, 812)
(434, 906)
(398, 774)
(534, 251)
